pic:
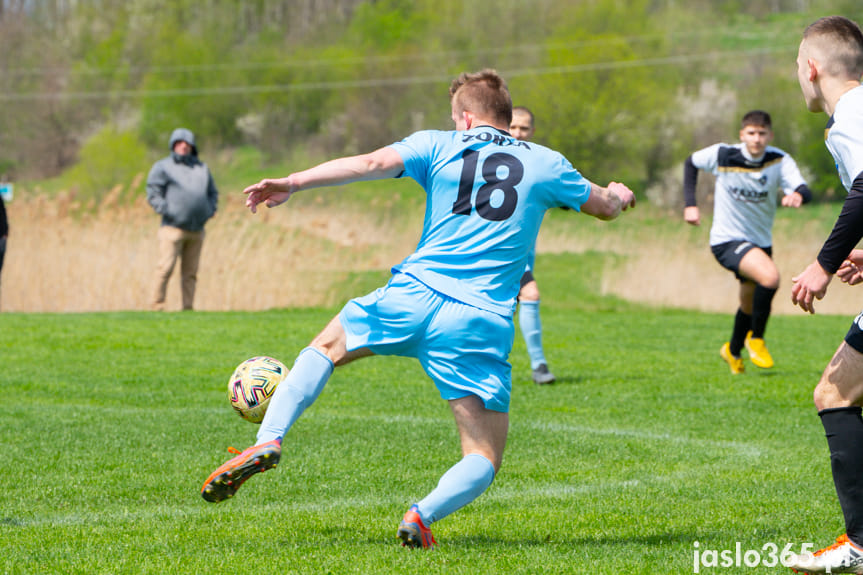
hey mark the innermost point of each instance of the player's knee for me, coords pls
(771, 281)
(332, 349)
(496, 462)
(332, 342)
(826, 395)
(820, 397)
(496, 459)
(529, 292)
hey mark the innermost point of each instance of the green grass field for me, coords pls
(645, 446)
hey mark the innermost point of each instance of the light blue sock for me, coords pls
(461, 484)
(298, 391)
(531, 329)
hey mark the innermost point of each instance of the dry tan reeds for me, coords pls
(675, 270)
(59, 261)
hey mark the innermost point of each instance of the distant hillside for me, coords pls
(625, 89)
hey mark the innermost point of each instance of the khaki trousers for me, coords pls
(176, 243)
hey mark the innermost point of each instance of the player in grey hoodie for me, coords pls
(181, 190)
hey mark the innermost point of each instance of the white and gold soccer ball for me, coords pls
(253, 384)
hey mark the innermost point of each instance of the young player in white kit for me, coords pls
(829, 68)
(749, 176)
(450, 303)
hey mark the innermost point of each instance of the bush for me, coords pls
(109, 160)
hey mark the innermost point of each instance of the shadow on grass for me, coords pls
(459, 543)
(558, 381)
(652, 540)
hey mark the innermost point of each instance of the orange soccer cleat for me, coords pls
(227, 479)
(413, 532)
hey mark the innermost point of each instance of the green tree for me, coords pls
(109, 160)
(596, 97)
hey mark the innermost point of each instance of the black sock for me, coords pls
(742, 324)
(844, 429)
(761, 303)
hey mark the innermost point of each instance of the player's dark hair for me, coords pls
(844, 41)
(756, 118)
(524, 110)
(483, 93)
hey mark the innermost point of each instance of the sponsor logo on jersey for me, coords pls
(498, 139)
(749, 196)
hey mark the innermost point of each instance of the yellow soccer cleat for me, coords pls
(735, 363)
(758, 351)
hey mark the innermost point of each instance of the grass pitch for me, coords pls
(645, 452)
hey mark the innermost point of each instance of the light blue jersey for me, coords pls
(487, 194)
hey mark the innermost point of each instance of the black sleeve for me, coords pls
(846, 232)
(690, 178)
(804, 191)
(4, 223)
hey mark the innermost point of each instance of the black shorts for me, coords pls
(526, 278)
(730, 253)
(854, 337)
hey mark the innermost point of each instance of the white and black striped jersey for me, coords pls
(747, 189)
(845, 136)
(844, 139)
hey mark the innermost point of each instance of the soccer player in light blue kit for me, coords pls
(522, 128)
(450, 303)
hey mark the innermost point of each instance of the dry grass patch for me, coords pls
(57, 261)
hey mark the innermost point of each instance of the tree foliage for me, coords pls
(109, 161)
(610, 81)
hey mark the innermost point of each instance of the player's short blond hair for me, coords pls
(839, 41)
(483, 93)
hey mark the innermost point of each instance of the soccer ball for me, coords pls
(253, 384)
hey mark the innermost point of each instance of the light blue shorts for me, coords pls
(462, 348)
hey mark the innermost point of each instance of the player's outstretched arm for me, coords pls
(691, 213)
(847, 232)
(607, 203)
(380, 164)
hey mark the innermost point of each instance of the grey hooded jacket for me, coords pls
(181, 188)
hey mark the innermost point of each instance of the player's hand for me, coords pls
(809, 286)
(849, 273)
(271, 192)
(851, 270)
(692, 215)
(627, 197)
(793, 200)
